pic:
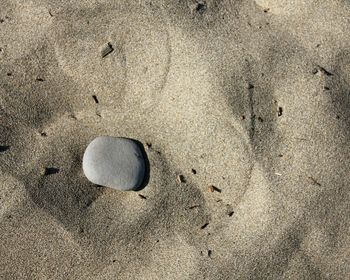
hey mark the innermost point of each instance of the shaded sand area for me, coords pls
(251, 97)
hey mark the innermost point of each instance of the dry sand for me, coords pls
(252, 96)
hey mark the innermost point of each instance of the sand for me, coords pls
(251, 97)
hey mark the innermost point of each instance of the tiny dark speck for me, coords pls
(231, 213)
(9, 74)
(324, 71)
(194, 171)
(201, 7)
(149, 145)
(280, 111)
(50, 171)
(95, 98)
(181, 179)
(209, 253)
(107, 49)
(114, 261)
(88, 203)
(250, 86)
(204, 226)
(142, 196)
(40, 79)
(4, 148)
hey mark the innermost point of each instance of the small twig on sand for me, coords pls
(212, 188)
(314, 181)
(181, 179)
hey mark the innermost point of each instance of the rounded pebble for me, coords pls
(114, 162)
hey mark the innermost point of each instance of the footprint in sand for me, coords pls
(30, 23)
(137, 37)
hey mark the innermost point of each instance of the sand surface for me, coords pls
(251, 97)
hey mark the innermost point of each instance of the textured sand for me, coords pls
(252, 95)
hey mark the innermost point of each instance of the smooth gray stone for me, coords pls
(114, 162)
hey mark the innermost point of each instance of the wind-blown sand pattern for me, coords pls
(251, 97)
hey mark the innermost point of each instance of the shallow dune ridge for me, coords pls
(251, 97)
